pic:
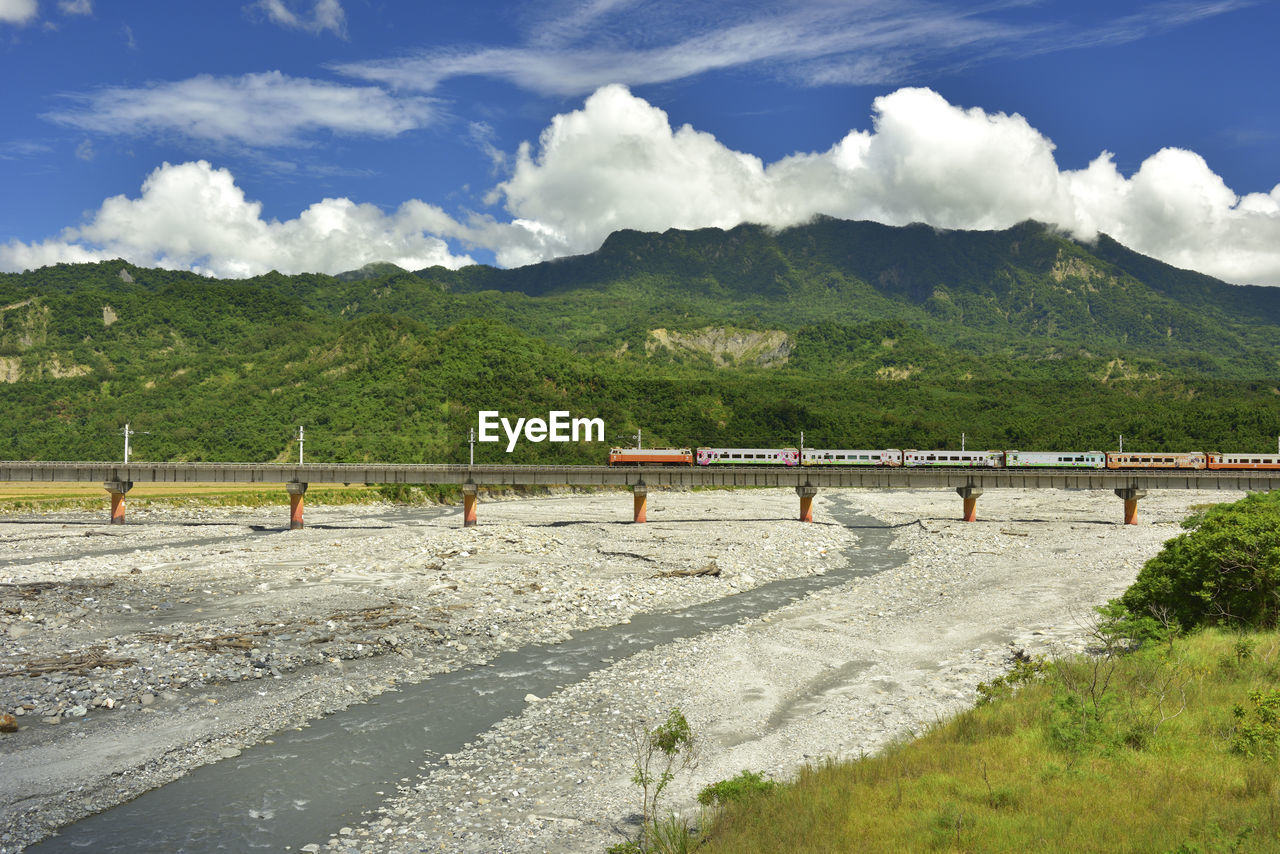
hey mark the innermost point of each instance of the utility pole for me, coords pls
(127, 433)
(471, 441)
(638, 445)
(962, 442)
(1122, 443)
(802, 443)
(301, 435)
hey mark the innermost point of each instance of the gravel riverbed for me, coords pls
(134, 653)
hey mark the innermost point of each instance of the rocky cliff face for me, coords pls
(726, 346)
(24, 327)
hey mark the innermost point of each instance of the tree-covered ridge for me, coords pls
(876, 337)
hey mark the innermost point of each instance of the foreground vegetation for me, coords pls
(1165, 737)
(1170, 749)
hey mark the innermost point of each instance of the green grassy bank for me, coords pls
(1169, 749)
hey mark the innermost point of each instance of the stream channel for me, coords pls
(310, 782)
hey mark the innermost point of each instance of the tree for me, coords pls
(1224, 570)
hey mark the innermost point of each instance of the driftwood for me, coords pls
(79, 663)
(710, 570)
(1015, 533)
(629, 554)
(385, 615)
(238, 640)
(32, 589)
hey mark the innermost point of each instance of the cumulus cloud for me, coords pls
(618, 163)
(193, 216)
(323, 15)
(255, 109)
(18, 11)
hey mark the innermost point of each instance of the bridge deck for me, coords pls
(877, 478)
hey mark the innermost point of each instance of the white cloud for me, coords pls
(18, 11)
(574, 53)
(572, 47)
(75, 7)
(192, 216)
(618, 163)
(255, 109)
(324, 15)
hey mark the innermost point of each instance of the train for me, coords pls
(892, 457)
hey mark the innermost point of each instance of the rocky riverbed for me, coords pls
(133, 654)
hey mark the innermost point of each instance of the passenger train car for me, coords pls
(970, 459)
(748, 457)
(892, 457)
(1055, 459)
(1156, 461)
(817, 457)
(1243, 461)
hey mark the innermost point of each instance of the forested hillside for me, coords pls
(859, 334)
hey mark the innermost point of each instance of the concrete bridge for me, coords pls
(1128, 485)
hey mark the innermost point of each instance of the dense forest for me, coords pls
(858, 334)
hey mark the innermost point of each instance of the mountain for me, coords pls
(857, 333)
(1025, 288)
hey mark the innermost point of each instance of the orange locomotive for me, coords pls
(650, 457)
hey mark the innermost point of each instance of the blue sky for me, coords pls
(318, 135)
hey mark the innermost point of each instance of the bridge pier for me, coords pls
(640, 503)
(970, 495)
(1131, 495)
(806, 494)
(117, 488)
(296, 490)
(468, 505)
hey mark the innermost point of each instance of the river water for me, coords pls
(310, 782)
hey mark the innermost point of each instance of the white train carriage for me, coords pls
(819, 457)
(1244, 461)
(1055, 459)
(966, 459)
(748, 457)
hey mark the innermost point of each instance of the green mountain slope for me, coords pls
(856, 333)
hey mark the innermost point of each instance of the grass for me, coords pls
(49, 497)
(91, 497)
(1133, 753)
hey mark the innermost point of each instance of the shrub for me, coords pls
(745, 785)
(1225, 570)
(1258, 734)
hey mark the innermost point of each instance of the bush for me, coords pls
(1224, 571)
(745, 785)
(1258, 734)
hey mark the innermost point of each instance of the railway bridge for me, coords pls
(1128, 485)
